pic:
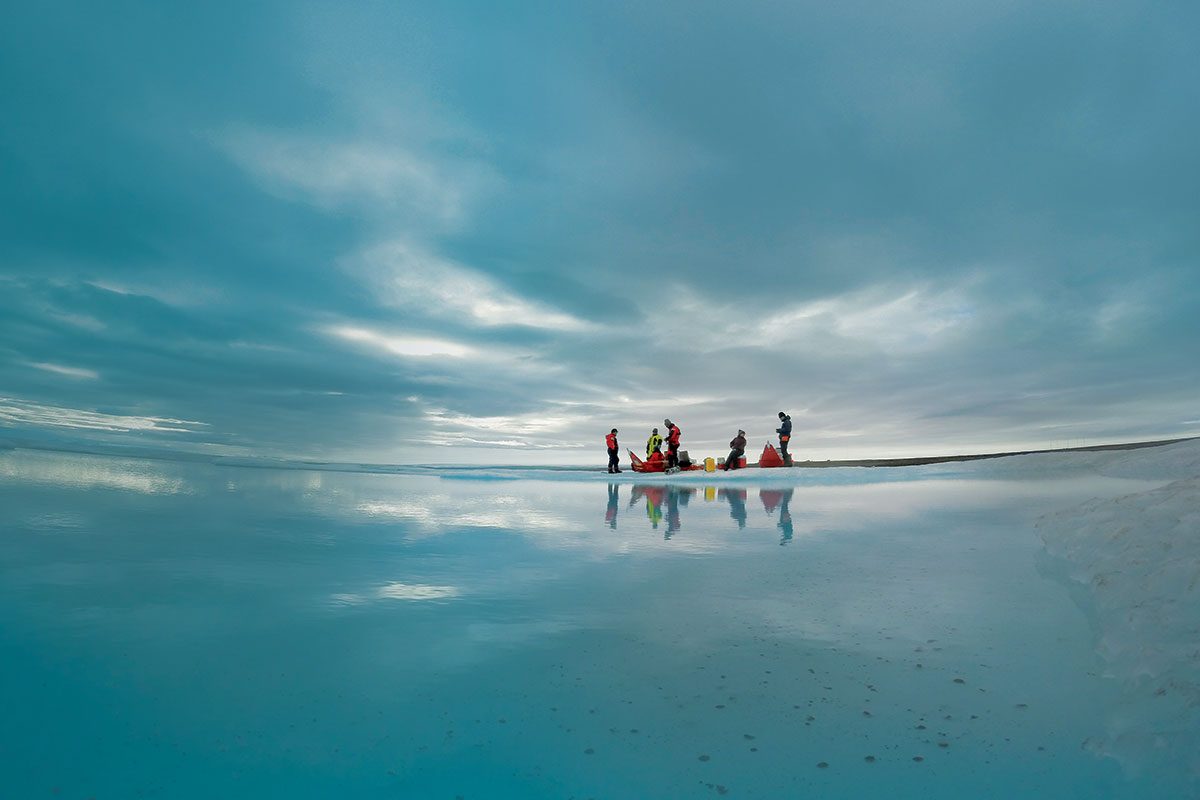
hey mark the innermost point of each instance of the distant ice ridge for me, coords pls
(1137, 558)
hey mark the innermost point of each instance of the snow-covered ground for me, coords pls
(1136, 560)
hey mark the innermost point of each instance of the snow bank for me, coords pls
(1137, 560)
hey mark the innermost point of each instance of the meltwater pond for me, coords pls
(179, 630)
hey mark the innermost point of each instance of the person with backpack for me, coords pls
(673, 434)
(611, 441)
(785, 435)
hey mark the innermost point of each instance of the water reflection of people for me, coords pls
(785, 518)
(676, 497)
(654, 499)
(666, 502)
(779, 498)
(614, 497)
(662, 501)
(737, 504)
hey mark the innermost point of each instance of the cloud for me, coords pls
(336, 173)
(21, 412)
(413, 279)
(889, 319)
(545, 429)
(70, 372)
(403, 345)
(898, 232)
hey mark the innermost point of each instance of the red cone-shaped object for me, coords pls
(770, 457)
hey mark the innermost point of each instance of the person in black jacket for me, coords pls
(785, 435)
(737, 449)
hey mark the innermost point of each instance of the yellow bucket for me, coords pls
(710, 465)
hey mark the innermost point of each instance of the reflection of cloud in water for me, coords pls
(55, 520)
(74, 471)
(437, 512)
(400, 591)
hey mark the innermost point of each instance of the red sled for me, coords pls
(658, 464)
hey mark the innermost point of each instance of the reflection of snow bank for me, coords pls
(1139, 558)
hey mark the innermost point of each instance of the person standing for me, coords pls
(737, 449)
(673, 434)
(785, 435)
(611, 441)
(653, 443)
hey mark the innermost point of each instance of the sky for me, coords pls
(469, 232)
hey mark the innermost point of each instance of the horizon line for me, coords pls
(264, 462)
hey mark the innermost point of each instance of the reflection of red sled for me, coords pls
(656, 464)
(770, 458)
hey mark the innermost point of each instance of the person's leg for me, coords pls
(612, 460)
(735, 459)
(672, 456)
(783, 444)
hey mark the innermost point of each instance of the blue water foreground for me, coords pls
(184, 630)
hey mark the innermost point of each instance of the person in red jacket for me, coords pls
(673, 434)
(611, 441)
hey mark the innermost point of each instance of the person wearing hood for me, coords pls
(737, 449)
(673, 434)
(653, 444)
(785, 435)
(611, 441)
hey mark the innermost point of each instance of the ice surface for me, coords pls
(191, 630)
(1136, 559)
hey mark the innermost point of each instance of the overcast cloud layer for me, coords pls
(442, 232)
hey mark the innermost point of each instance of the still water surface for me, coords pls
(191, 631)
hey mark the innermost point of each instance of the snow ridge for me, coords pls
(1138, 559)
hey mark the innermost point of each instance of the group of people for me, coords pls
(737, 446)
(653, 446)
